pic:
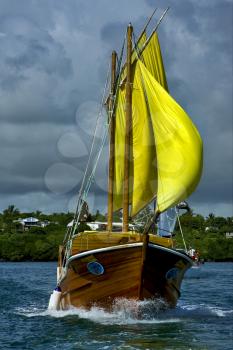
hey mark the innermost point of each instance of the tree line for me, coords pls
(206, 234)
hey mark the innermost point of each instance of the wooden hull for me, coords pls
(164, 271)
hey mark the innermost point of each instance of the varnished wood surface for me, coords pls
(89, 240)
(122, 276)
(128, 131)
(119, 279)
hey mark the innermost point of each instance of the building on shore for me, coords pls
(29, 222)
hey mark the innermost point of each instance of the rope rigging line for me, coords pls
(155, 29)
(120, 59)
(140, 57)
(151, 219)
(104, 137)
(178, 219)
(85, 185)
(137, 49)
(90, 155)
(82, 192)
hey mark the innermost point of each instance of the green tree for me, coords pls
(99, 217)
(210, 219)
(219, 222)
(10, 214)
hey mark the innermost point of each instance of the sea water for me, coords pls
(203, 318)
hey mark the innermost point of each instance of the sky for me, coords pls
(54, 60)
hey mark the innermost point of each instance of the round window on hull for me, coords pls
(95, 268)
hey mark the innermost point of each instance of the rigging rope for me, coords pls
(83, 192)
(178, 218)
(76, 215)
(120, 59)
(104, 136)
(80, 201)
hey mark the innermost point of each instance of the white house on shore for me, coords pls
(27, 223)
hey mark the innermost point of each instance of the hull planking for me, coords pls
(163, 274)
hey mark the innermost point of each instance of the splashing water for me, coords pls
(202, 319)
(130, 311)
(122, 311)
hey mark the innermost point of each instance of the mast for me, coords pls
(147, 24)
(128, 115)
(155, 29)
(112, 142)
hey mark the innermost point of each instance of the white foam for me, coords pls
(123, 311)
(207, 309)
(219, 312)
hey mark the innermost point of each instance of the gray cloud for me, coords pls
(197, 47)
(54, 58)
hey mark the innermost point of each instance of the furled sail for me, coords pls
(166, 152)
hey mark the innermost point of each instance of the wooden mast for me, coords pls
(157, 212)
(112, 142)
(128, 122)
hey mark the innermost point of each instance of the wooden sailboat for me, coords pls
(155, 154)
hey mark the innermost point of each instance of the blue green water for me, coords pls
(202, 320)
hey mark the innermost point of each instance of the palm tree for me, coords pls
(211, 216)
(9, 215)
(210, 219)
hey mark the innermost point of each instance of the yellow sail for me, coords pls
(152, 59)
(119, 149)
(166, 152)
(140, 43)
(178, 143)
(143, 142)
(120, 134)
(143, 182)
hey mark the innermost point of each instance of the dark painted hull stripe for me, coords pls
(126, 246)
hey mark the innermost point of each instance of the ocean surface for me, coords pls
(202, 320)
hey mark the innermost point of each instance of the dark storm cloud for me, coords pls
(53, 64)
(32, 66)
(197, 47)
(25, 159)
